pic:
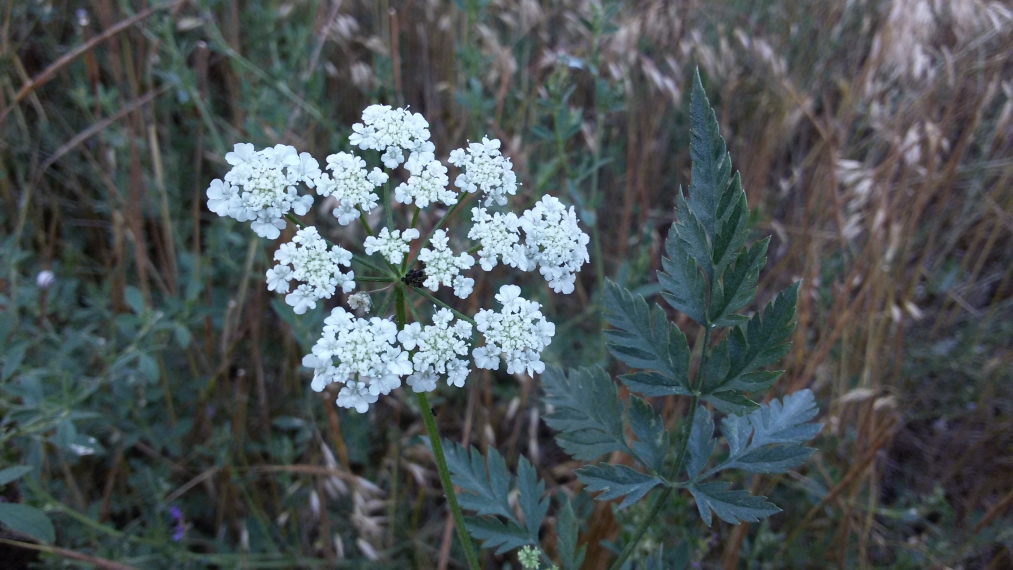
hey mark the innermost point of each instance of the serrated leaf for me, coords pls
(651, 445)
(685, 289)
(570, 557)
(700, 444)
(711, 164)
(494, 533)
(730, 234)
(716, 368)
(14, 473)
(651, 384)
(731, 402)
(616, 481)
(694, 238)
(28, 521)
(778, 429)
(530, 500)
(738, 285)
(730, 506)
(764, 340)
(483, 491)
(588, 412)
(642, 337)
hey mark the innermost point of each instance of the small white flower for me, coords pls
(427, 184)
(553, 241)
(463, 286)
(498, 233)
(392, 245)
(45, 279)
(442, 266)
(359, 301)
(307, 259)
(260, 187)
(424, 381)
(351, 184)
(518, 333)
(356, 395)
(484, 168)
(438, 346)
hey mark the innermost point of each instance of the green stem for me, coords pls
(291, 217)
(448, 485)
(365, 224)
(387, 207)
(429, 296)
(367, 263)
(434, 439)
(375, 279)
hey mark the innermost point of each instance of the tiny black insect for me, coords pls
(414, 278)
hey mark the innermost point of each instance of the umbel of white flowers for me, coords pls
(370, 356)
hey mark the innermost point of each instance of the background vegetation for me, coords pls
(155, 385)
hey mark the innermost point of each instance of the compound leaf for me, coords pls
(763, 342)
(588, 412)
(730, 506)
(616, 481)
(738, 285)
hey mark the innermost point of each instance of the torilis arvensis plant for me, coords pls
(710, 275)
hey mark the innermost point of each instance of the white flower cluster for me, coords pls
(391, 244)
(427, 184)
(261, 187)
(351, 185)
(554, 241)
(443, 267)
(307, 259)
(392, 130)
(485, 168)
(518, 333)
(439, 346)
(498, 234)
(370, 362)
(369, 357)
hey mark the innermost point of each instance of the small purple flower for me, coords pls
(177, 515)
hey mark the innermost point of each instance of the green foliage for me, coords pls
(710, 275)
(27, 520)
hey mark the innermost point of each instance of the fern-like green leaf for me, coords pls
(616, 481)
(588, 412)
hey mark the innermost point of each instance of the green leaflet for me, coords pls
(530, 498)
(13, 473)
(616, 481)
(27, 520)
(570, 557)
(642, 337)
(588, 412)
(729, 506)
(485, 492)
(495, 534)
